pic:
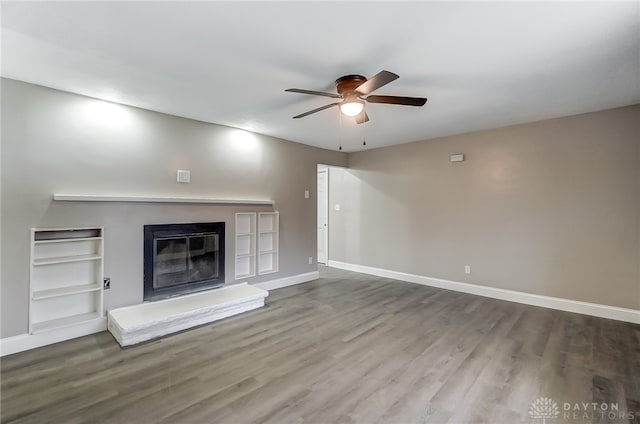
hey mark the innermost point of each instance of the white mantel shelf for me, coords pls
(156, 199)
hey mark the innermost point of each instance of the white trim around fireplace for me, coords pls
(23, 342)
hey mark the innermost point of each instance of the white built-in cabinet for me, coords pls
(268, 238)
(245, 245)
(66, 272)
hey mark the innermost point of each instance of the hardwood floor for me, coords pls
(348, 348)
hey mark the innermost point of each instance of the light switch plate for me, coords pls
(184, 176)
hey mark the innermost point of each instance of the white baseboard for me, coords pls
(288, 281)
(24, 342)
(568, 305)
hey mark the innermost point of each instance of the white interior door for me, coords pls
(323, 211)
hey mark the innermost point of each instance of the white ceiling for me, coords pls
(482, 65)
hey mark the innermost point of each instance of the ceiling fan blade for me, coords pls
(302, 115)
(315, 93)
(380, 79)
(397, 100)
(362, 117)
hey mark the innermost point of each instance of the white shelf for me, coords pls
(64, 295)
(68, 240)
(268, 263)
(245, 245)
(65, 259)
(156, 199)
(38, 327)
(64, 291)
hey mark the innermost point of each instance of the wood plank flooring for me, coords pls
(348, 348)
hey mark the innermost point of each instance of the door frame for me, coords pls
(326, 232)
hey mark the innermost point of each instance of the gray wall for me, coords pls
(551, 208)
(55, 142)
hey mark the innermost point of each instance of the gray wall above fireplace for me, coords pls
(57, 142)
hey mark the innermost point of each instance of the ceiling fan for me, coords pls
(352, 88)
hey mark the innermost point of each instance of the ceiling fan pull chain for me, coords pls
(341, 128)
(364, 134)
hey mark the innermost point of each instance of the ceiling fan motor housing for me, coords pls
(349, 83)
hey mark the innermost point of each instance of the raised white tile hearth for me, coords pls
(150, 320)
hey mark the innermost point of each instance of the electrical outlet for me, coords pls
(306, 194)
(467, 269)
(106, 283)
(310, 260)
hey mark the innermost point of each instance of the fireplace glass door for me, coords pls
(184, 259)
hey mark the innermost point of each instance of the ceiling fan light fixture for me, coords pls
(354, 90)
(352, 107)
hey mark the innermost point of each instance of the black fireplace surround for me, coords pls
(182, 258)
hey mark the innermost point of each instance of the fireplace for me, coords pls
(182, 258)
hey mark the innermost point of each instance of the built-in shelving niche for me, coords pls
(245, 245)
(65, 285)
(268, 242)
